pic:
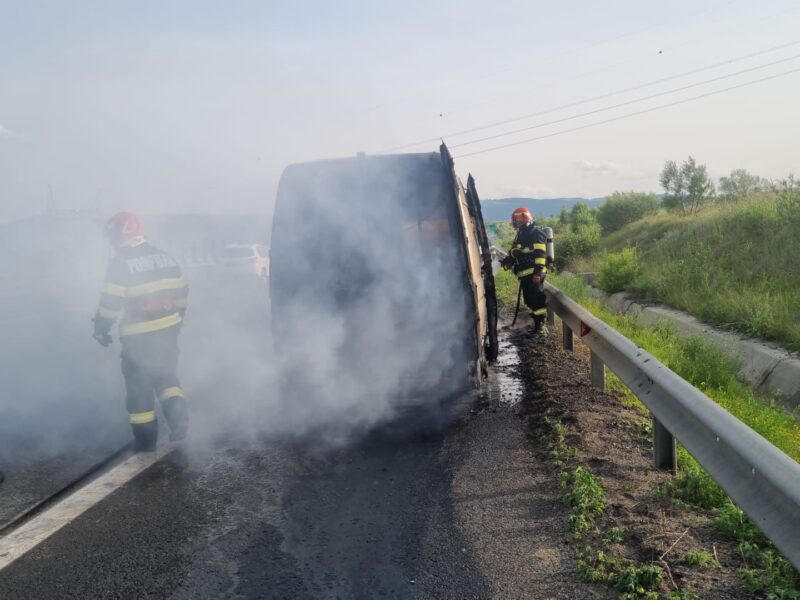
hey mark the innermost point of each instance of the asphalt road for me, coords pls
(469, 513)
(250, 509)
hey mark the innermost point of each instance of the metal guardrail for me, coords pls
(760, 478)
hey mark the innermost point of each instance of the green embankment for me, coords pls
(765, 572)
(698, 361)
(734, 265)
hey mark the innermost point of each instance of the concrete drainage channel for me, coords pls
(765, 367)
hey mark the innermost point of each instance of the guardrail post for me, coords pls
(551, 316)
(566, 336)
(665, 455)
(598, 371)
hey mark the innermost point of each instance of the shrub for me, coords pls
(618, 271)
(622, 208)
(581, 216)
(579, 243)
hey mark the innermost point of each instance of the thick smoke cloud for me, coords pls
(369, 309)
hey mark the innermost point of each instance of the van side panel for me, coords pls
(367, 278)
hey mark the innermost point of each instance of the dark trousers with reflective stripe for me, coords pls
(149, 365)
(534, 297)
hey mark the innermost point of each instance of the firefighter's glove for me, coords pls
(104, 339)
(101, 332)
(507, 262)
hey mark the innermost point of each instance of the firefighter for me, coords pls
(529, 259)
(145, 287)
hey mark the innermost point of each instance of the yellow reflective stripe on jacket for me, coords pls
(156, 286)
(172, 392)
(539, 312)
(108, 313)
(112, 289)
(150, 326)
(539, 261)
(530, 250)
(531, 271)
(143, 418)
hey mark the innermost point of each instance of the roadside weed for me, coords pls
(587, 500)
(701, 558)
(615, 535)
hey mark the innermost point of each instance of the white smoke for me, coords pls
(372, 316)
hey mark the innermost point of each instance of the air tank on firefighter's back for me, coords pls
(551, 252)
(373, 277)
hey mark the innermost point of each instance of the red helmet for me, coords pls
(521, 216)
(123, 227)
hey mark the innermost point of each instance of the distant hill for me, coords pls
(501, 209)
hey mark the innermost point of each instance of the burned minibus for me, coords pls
(381, 284)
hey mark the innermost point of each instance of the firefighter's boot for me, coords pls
(145, 436)
(177, 416)
(538, 326)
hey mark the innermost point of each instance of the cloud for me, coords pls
(624, 171)
(604, 168)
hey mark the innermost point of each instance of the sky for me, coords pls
(197, 106)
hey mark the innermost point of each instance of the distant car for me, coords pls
(253, 257)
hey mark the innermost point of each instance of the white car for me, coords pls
(246, 256)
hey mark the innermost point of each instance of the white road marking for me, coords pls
(29, 535)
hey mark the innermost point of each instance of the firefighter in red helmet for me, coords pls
(529, 259)
(146, 291)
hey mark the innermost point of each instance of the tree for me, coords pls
(687, 188)
(563, 217)
(581, 215)
(622, 208)
(740, 184)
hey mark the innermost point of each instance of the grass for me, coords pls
(734, 265)
(507, 288)
(703, 365)
(766, 572)
(701, 558)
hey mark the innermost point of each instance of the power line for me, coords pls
(556, 55)
(600, 97)
(627, 103)
(500, 97)
(629, 115)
